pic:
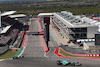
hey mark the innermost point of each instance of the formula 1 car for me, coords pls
(15, 57)
(65, 62)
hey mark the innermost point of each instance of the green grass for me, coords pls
(66, 54)
(31, 8)
(8, 54)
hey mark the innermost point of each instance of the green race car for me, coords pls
(65, 62)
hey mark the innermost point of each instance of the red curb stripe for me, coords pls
(44, 44)
(25, 41)
(58, 54)
(71, 53)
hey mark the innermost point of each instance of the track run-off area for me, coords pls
(35, 52)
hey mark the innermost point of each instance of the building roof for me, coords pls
(73, 21)
(18, 15)
(45, 14)
(5, 29)
(62, 20)
(8, 13)
(4, 40)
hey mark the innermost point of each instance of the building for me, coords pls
(9, 29)
(75, 28)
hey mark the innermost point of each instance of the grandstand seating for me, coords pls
(13, 22)
(12, 32)
(4, 40)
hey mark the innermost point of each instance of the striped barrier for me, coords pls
(85, 55)
(72, 53)
(94, 55)
(98, 55)
(91, 55)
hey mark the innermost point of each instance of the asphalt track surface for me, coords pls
(34, 54)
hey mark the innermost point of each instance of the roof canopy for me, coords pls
(8, 13)
(5, 30)
(45, 14)
(18, 15)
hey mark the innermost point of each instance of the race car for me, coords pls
(65, 62)
(16, 57)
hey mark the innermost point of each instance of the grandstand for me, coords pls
(9, 30)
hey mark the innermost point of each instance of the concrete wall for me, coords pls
(91, 31)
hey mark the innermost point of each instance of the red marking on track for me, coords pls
(72, 53)
(44, 44)
(25, 41)
(58, 54)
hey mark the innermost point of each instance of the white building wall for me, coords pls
(91, 31)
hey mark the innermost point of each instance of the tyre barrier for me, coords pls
(92, 55)
(88, 55)
(98, 55)
(85, 55)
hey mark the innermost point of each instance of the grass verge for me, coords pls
(8, 54)
(66, 54)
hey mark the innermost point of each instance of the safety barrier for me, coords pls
(97, 55)
(92, 55)
(72, 53)
(85, 55)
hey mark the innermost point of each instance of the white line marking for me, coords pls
(46, 55)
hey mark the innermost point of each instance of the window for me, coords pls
(84, 29)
